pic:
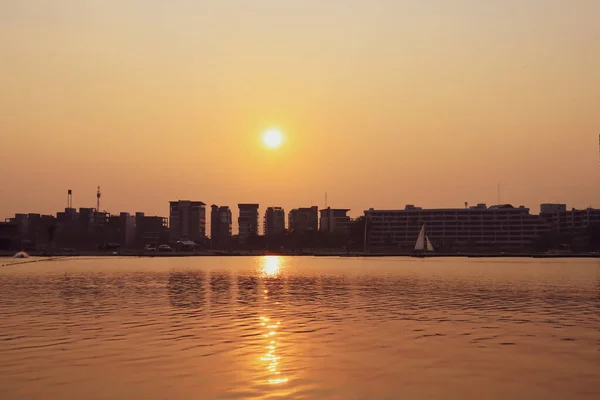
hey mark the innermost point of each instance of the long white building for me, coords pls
(453, 228)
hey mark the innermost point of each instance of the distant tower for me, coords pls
(69, 198)
(98, 195)
(466, 204)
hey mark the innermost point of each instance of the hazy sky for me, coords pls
(383, 102)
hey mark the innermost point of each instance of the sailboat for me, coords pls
(423, 245)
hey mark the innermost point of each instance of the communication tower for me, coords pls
(98, 195)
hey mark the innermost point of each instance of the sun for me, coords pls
(273, 138)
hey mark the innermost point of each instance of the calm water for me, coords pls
(276, 327)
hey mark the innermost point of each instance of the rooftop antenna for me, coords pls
(466, 204)
(69, 198)
(98, 195)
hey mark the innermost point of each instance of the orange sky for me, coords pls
(383, 103)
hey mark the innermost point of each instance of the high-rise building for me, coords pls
(187, 221)
(274, 223)
(335, 220)
(247, 221)
(150, 230)
(304, 219)
(220, 227)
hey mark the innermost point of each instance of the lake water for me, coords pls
(314, 328)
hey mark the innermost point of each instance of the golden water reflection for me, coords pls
(270, 358)
(271, 267)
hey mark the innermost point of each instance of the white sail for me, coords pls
(420, 245)
(429, 245)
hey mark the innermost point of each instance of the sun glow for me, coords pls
(270, 266)
(273, 138)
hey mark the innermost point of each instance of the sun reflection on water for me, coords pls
(270, 357)
(271, 267)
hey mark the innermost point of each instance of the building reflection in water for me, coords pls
(186, 289)
(220, 286)
(270, 268)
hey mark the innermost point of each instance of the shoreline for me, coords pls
(141, 254)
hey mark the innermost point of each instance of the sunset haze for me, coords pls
(381, 103)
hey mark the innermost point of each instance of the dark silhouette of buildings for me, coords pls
(335, 220)
(88, 229)
(301, 220)
(478, 228)
(187, 221)
(548, 208)
(9, 236)
(559, 219)
(83, 229)
(31, 230)
(247, 222)
(92, 228)
(220, 227)
(121, 230)
(500, 226)
(274, 222)
(67, 227)
(150, 230)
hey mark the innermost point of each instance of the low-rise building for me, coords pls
(560, 220)
(500, 226)
(552, 208)
(150, 230)
(10, 238)
(35, 230)
(67, 228)
(121, 230)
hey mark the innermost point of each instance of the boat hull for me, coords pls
(422, 255)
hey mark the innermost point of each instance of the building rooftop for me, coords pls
(503, 207)
(187, 201)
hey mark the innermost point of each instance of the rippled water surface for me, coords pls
(276, 327)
